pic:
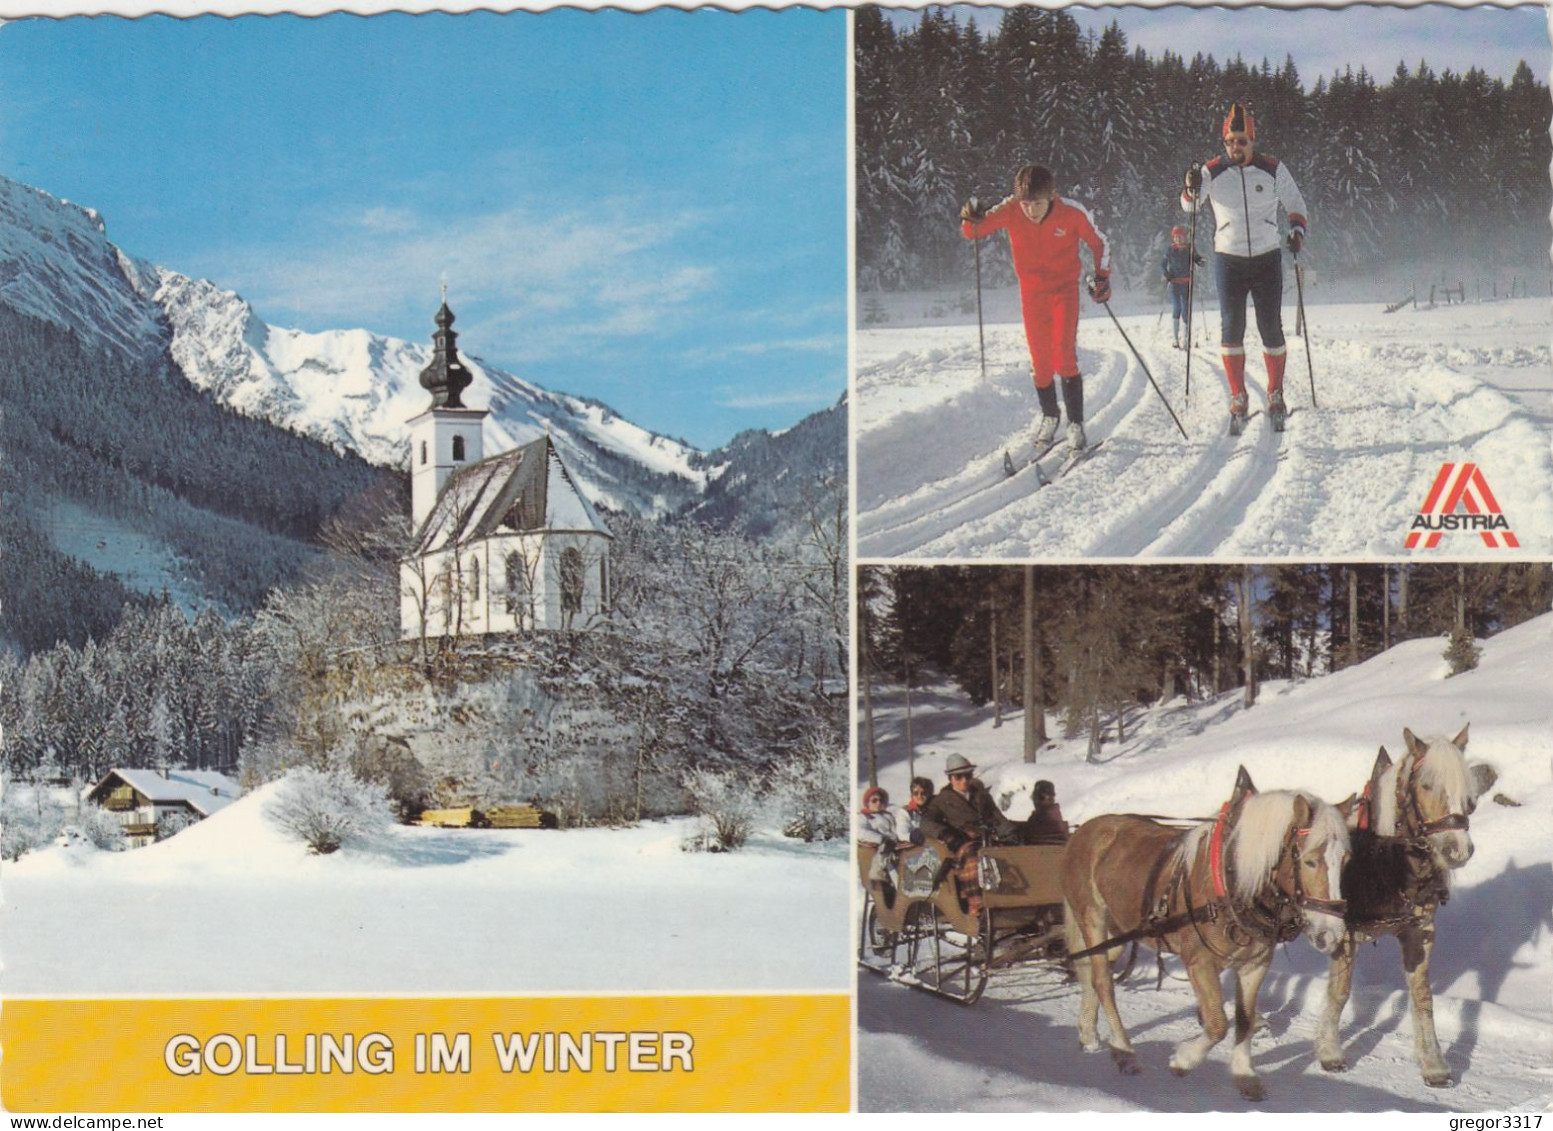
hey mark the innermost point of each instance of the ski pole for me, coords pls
(1299, 288)
(1191, 290)
(1145, 365)
(981, 337)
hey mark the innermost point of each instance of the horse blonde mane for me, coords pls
(1444, 767)
(1257, 840)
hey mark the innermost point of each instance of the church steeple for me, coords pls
(445, 378)
(445, 436)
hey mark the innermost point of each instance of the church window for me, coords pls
(423, 452)
(571, 580)
(458, 449)
(517, 582)
(474, 579)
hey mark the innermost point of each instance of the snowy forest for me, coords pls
(1437, 169)
(721, 655)
(1111, 639)
(129, 441)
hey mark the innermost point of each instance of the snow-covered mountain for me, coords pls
(351, 389)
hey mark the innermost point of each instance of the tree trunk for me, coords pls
(911, 742)
(868, 728)
(1247, 636)
(1402, 573)
(1218, 652)
(1461, 599)
(1385, 619)
(992, 656)
(1353, 616)
(1035, 702)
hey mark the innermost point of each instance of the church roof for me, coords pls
(527, 489)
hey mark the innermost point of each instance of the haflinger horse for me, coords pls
(1409, 831)
(1222, 896)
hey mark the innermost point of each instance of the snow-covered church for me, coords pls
(505, 544)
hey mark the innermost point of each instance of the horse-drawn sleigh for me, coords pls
(918, 928)
(1221, 894)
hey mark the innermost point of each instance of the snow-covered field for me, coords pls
(1398, 395)
(232, 906)
(1492, 974)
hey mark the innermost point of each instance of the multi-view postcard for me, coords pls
(1259, 822)
(425, 586)
(902, 560)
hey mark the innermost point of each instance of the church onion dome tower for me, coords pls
(446, 436)
(445, 378)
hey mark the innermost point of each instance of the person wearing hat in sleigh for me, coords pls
(1177, 269)
(1044, 233)
(877, 824)
(963, 816)
(911, 815)
(1045, 825)
(1246, 189)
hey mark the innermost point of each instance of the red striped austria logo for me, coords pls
(1460, 500)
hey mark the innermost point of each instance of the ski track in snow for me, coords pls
(1345, 479)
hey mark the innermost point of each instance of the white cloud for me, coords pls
(818, 394)
(384, 219)
(523, 280)
(817, 343)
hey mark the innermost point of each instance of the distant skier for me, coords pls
(1044, 233)
(1246, 189)
(1177, 269)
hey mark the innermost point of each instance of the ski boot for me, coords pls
(1237, 414)
(1046, 435)
(1277, 411)
(1076, 440)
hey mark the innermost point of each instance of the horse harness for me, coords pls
(1274, 916)
(1427, 889)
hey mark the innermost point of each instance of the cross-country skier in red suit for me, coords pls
(1044, 232)
(1246, 189)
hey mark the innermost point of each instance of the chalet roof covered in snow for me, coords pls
(204, 791)
(525, 490)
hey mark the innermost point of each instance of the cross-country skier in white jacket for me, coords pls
(1246, 190)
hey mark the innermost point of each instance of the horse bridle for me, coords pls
(1337, 907)
(1412, 812)
(1283, 921)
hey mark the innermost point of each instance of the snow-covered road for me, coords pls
(1396, 397)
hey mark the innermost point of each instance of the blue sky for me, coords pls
(1324, 41)
(648, 209)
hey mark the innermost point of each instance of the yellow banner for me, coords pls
(713, 1053)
